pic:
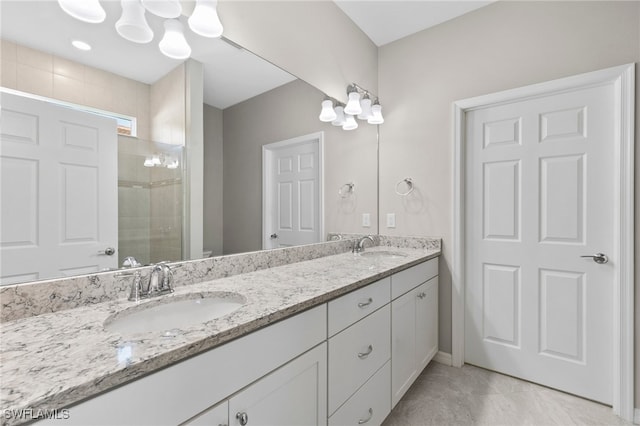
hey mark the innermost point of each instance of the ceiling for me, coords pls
(384, 21)
(231, 74)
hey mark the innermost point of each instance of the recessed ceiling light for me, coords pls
(81, 45)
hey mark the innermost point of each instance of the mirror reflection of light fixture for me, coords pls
(340, 118)
(204, 20)
(376, 113)
(173, 44)
(359, 105)
(132, 25)
(365, 103)
(327, 114)
(163, 8)
(85, 10)
(161, 160)
(350, 122)
(353, 105)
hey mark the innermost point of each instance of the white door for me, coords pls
(539, 195)
(58, 196)
(292, 193)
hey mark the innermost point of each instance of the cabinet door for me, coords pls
(294, 394)
(403, 344)
(426, 323)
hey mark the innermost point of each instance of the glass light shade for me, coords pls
(148, 162)
(350, 123)
(340, 118)
(85, 10)
(132, 25)
(376, 117)
(163, 8)
(155, 160)
(204, 20)
(327, 113)
(353, 106)
(173, 44)
(366, 113)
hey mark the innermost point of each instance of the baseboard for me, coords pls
(636, 416)
(445, 358)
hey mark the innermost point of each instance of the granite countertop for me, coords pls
(54, 360)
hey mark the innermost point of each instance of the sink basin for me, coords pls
(382, 254)
(171, 313)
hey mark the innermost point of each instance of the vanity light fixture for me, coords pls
(353, 105)
(204, 20)
(359, 105)
(163, 8)
(350, 122)
(84, 10)
(132, 25)
(327, 114)
(365, 103)
(173, 44)
(340, 118)
(376, 116)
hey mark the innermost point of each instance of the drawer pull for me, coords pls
(363, 355)
(365, 304)
(422, 295)
(363, 421)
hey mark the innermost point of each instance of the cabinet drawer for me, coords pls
(370, 405)
(410, 278)
(356, 353)
(354, 306)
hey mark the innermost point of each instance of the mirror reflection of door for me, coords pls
(59, 191)
(292, 192)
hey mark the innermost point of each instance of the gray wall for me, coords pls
(284, 113)
(502, 46)
(313, 40)
(212, 218)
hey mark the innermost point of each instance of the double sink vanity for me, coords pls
(308, 335)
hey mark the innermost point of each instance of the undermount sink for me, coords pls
(175, 312)
(382, 254)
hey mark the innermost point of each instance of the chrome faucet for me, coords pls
(159, 283)
(358, 247)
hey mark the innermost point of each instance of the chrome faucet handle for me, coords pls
(167, 277)
(136, 287)
(153, 286)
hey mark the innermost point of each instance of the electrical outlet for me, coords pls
(391, 220)
(366, 220)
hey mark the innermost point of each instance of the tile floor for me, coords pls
(473, 396)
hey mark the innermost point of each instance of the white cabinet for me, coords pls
(295, 394)
(414, 331)
(356, 354)
(370, 405)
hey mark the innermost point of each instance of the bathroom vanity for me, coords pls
(338, 340)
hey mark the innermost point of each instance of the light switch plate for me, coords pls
(391, 220)
(366, 220)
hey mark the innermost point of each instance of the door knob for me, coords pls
(598, 257)
(274, 236)
(109, 251)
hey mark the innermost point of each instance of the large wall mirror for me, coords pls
(253, 112)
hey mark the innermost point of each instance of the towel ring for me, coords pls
(409, 183)
(346, 189)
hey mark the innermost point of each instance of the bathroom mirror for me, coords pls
(247, 107)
